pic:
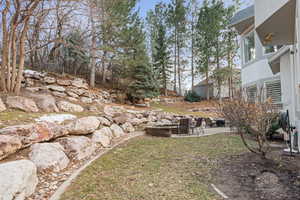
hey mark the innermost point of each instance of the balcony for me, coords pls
(275, 21)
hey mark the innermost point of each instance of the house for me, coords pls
(270, 33)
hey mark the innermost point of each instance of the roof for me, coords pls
(242, 15)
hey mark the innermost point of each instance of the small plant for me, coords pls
(251, 118)
(191, 96)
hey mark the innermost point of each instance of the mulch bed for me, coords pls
(249, 177)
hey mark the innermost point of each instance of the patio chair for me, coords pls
(184, 126)
(198, 126)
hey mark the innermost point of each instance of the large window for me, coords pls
(249, 47)
(272, 49)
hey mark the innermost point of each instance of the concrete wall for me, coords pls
(266, 8)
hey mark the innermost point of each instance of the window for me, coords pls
(249, 47)
(273, 90)
(251, 93)
(271, 48)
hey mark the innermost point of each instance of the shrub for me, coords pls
(192, 96)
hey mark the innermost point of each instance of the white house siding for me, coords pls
(286, 82)
(256, 73)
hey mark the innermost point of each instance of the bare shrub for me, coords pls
(251, 118)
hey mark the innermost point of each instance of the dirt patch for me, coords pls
(248, 177)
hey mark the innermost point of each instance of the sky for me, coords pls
(146, 5)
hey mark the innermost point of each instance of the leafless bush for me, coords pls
(253, 118)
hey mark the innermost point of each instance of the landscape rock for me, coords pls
(2, 106)
(63, 82)
(49, 80)
(45, 102)
(107, 131)
(101, 137)
(80, 83)
(123, 118)
(85, 125)
(9, 144)
(135, 121)
(56, 118)
(59, 94)
(117, 130)
(22, 103)
(78, 147)
(104, 121)
(48, 156)
(78, 91)
(18, 180)
(69, 107)
(33, 74)
(56, 88)
(72, 94)
(72, 99)
(86, 100)
(34, 133)
(127, 127)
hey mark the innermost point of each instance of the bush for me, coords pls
(192, 96)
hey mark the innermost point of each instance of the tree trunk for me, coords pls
(192, 58)
(93, 47)
(179, 68)
(218, 68)
(175, 61)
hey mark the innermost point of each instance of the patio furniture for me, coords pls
(198, 126)
(184, 126)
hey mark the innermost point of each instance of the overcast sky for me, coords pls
(146, 5)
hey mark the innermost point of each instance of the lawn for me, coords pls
(148, 168)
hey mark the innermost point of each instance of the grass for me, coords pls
(148, 168)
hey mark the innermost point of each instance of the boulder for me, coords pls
(45, 102)
(9, 144)
(59, 94)
(21, 103)
(127, 127)
(136, 121)
(78, 91)
(72, 94)
(93, 108)
(85, 125)
(2, 106)
(69, 107)
(56, 88)
(34, 133)
(101, 137)
(78, 147)
(111, 111)
(104, 121)
(80, 83)
(48, 156)
(122, 118)
(49, 80)
(107, 131)
(63, 82)
(117, 130)
(86, 100)
(33, 74)
(56, 118)
(18, 180)
(72, 99)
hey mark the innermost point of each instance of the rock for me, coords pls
(86, 100)
(45, 102)
(56, 88)
(56, 118)
(69, 107)
(135, 121)
(101, 137)
(88, 94)
(72, 94)
(22, 103)
(117, 130)
(63, 82)
(93, 108)
(85, 125)
(104, 121)
(80, 83)
(18, 180)
(109, 110)
(127, 127)
(78, 147)
(49, 80)
(29, 82)
(34, 133)
(107, 131)
(9, 144)
(72, 99)
(59, 94)
(78, 91)
(122, 118)
(2, 106)
(48, 156)
(33, 89)
(33, 74)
